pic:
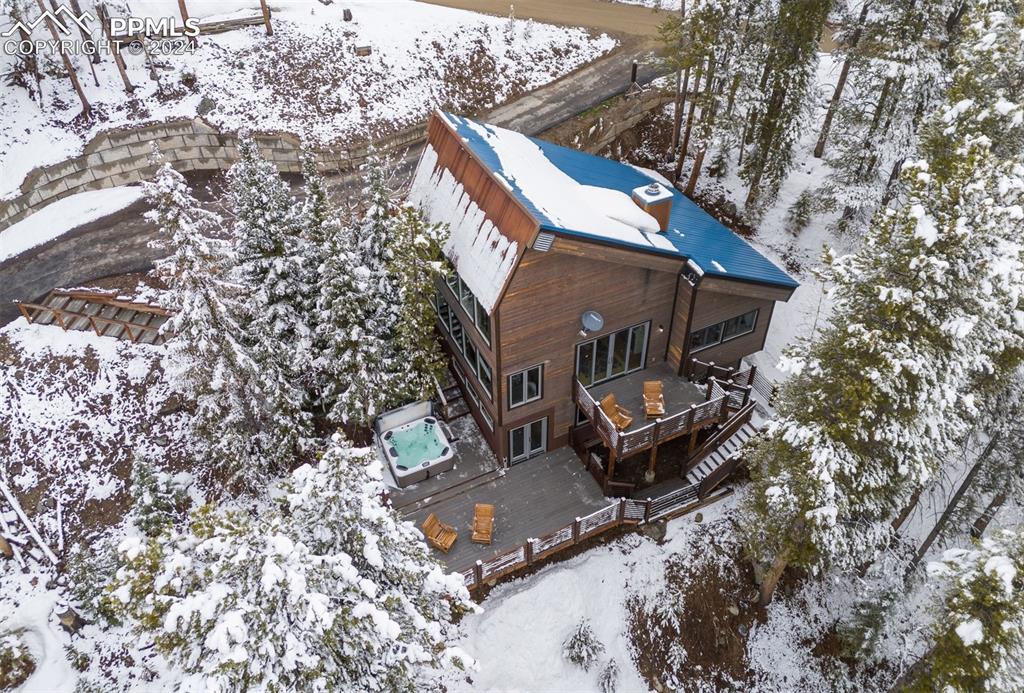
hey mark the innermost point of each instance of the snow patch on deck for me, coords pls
(482, 255)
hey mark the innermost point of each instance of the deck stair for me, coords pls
(721, 454)
(453, 404)
(103, 312)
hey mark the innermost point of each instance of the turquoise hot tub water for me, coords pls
(416, 443)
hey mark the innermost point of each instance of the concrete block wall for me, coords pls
(122, 156)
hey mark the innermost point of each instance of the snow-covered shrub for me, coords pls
(582, 647)
(89, 568)
(979, 628)
(159, 499)
(608, 681)
(325, 588)
(16, 663)
(798, 216)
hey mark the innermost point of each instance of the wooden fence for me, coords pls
(662, 430)
(623, 512)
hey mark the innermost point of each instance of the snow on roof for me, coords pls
(57, 218)
(563, 201)
(482, 255)
(555, 184)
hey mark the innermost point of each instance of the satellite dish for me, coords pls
(592, 321)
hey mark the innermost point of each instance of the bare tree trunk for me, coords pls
(184, 21)
(770, 580)
(837, 94)
(86, 108)
(689, 125)
(85, 36)
(77, 7)
(953, 502)
(981, 524)
(101, 10)
(707, 117)
(677, 125)
(266, 17)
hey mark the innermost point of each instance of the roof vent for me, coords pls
(543, 242)
(656, 200)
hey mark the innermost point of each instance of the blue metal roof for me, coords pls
(695, 234)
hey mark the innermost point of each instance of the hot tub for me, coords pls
(414, 443)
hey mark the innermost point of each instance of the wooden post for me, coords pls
(693, 442)
(653, 461)
(184, 22)
(622, 510)
(478, 573)
(611, 465)
(576, 531)
(115, 48)
(24, 311)
(266, 17)
(86, 108)
(647, 511)
(528, 549)
(710, 389)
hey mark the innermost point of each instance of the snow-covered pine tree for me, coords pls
(265, 233)
(209, 357)
(927, 313)
(582, 647)
(270, 306)
(359, 308)
(415, 264)
(979, 628)
(898, 70)
(780, 98)
(325, 589)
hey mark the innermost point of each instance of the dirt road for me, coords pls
(602, 15)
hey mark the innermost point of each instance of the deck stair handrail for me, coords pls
(726, 431)
(700, 371)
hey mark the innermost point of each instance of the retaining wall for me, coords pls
(118, 157)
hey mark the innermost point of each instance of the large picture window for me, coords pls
(723, 331)
(525, 386)
(612, 355)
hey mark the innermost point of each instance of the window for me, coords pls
(525, 386)
(612, 355)
(723, 331)
(484, 374)
(444, 312)
(457, 333)
(465, 298)
(487, 418)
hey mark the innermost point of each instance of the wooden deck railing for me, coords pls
(750, 376)
(623, 512)
(626, 443)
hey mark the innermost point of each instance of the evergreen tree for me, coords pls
(416, 264)
(979, 628)
(781, 98)
(926, 315)
(325, 589)
(375, 326)
(899, 72)
(234, 423)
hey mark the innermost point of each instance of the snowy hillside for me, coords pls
(306, 79)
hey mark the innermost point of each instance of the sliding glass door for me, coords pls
(612, 355)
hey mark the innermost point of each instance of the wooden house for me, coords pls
(574, 276)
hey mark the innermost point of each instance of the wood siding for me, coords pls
(714, 307)
(497, 203)
(540, 324)
(680, 324)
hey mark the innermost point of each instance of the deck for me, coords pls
(531, 499)
(629, 392)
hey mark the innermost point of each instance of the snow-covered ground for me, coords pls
(305, 79)
(59, 217)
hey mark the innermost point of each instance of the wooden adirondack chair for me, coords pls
(619, 415)
(438, 534)
(654, 398)
(483, 523)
